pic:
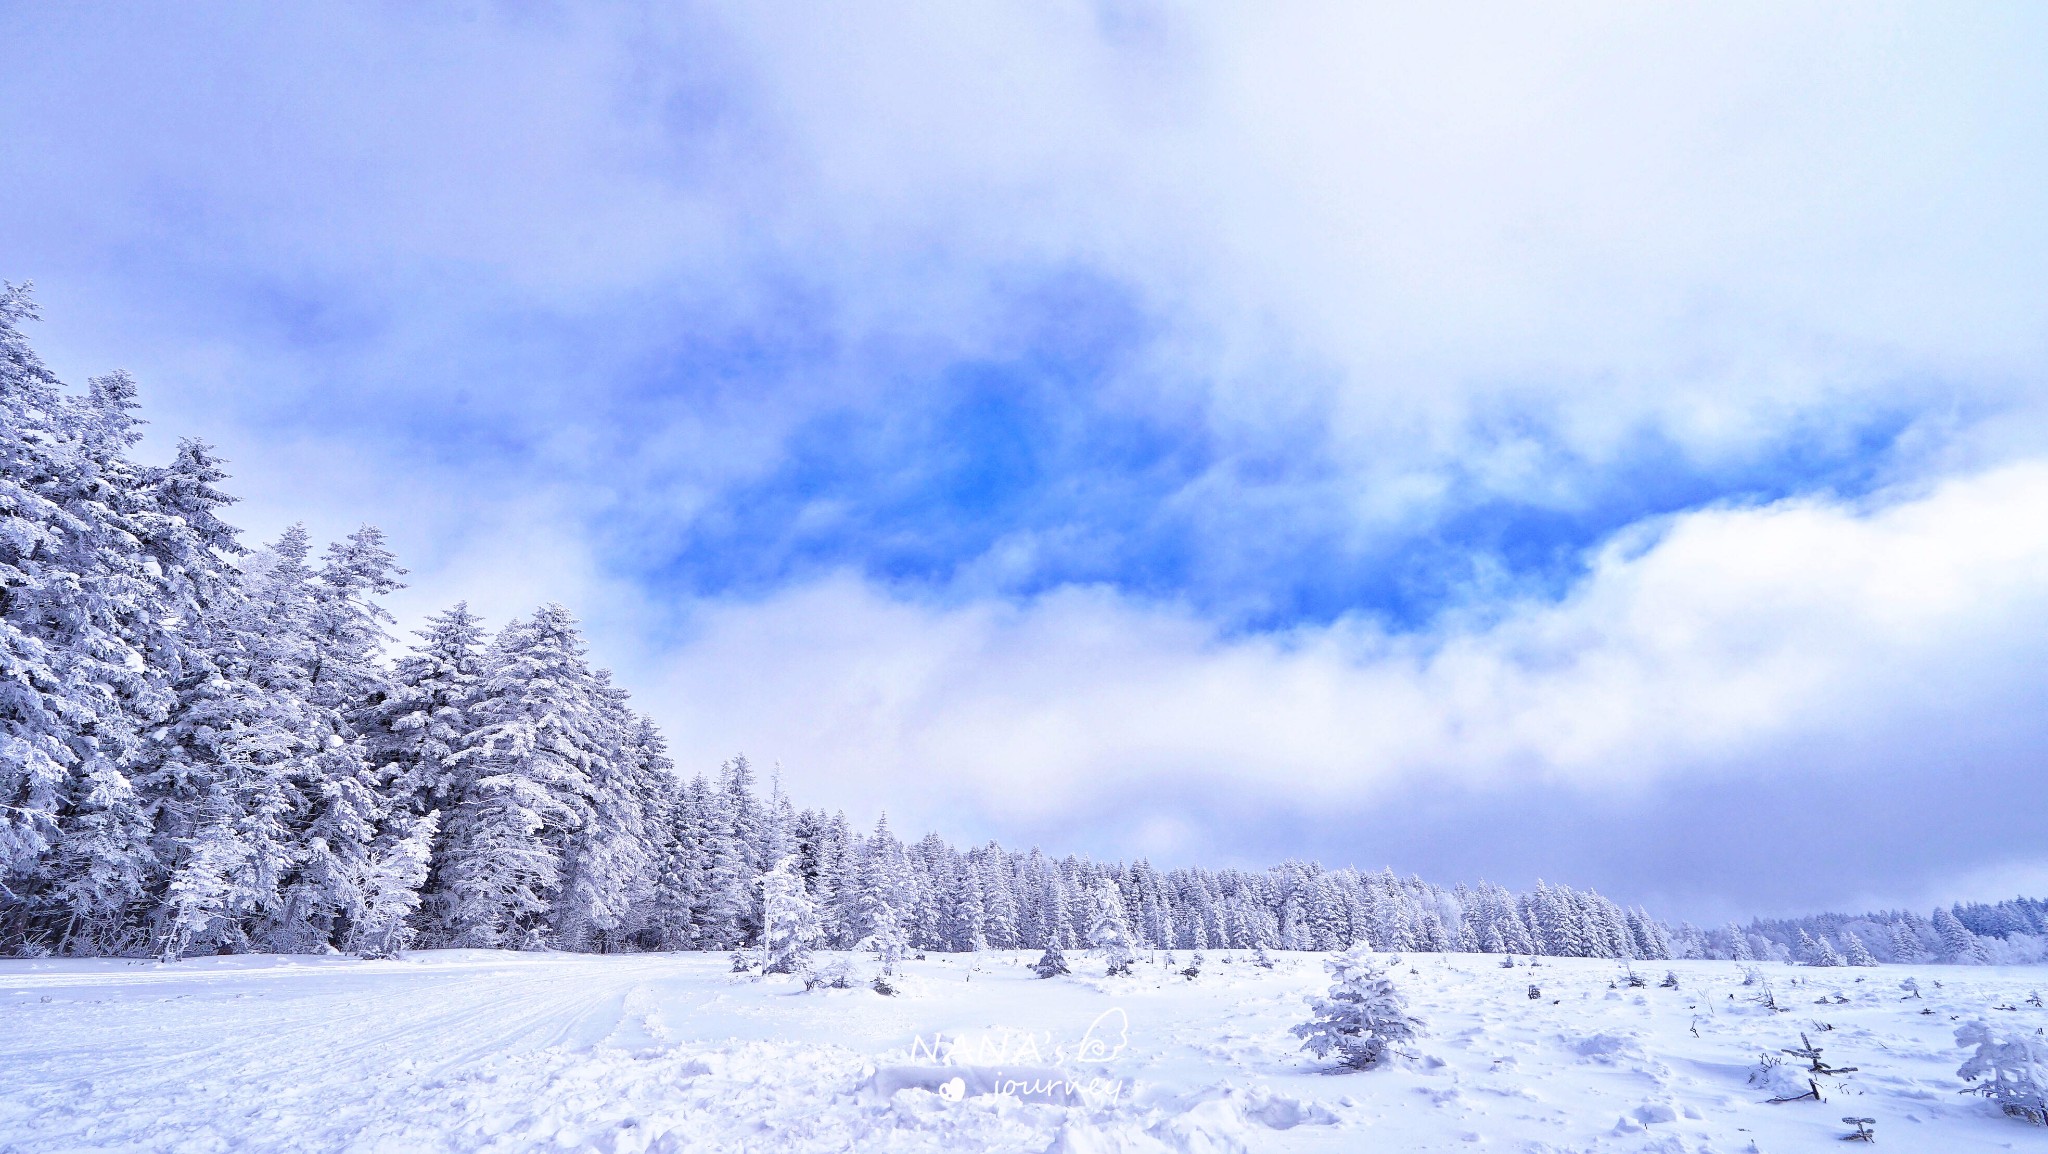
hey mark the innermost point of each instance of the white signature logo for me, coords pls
(1107, 1036)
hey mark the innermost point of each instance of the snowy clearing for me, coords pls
(478, 1050)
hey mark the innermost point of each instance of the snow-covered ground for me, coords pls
(470, 1050)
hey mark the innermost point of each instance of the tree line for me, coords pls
(1975, 933)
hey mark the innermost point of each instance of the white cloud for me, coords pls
(1707, 222)
(1731, 638)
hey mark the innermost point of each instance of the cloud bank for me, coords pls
(1724, 646)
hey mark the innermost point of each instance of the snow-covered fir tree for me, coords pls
(544, 724)
(790, 920)
(1110, 929)
(419, 720)
(1958, 943)
(2010, 1067)
(391, 888)
(1052, 963)
(1362, 1018)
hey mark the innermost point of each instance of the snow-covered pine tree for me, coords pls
(1738, 944)
(1959, 946)
(414, 727)
(215, 780)
(412, 730)
(778, 821)
(1610, 926)
(730, 917)
(1905, 944)
(1394, 917)
(967, 912)
(103, 870)
(1030, 889)
(1153, 923)
(1515, 933)
(1052, 963)
(542, 726)
(238, 777)
(933, 878)
(338, 650)
(103, 565)
(679, 878)
(345, 624)
(838, 867)
(1055, 908)
(790, 920)
(750, 824)
(392, 885)
(877, 890)
(1855, 952)
(1362, 1017)
(999, 899)
(821, 852)
(886, 938)
(1646, 938)
(1110, 931)
(1204, 921)
(876, 881)
(1824, 953)
(1326, 926)
(500, 874)
(608, 869)
(1808, 950)
(58, 688)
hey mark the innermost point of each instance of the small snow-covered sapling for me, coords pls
(1361, 1018)
(1670, 981)
(1863, 1132)
(1052, 963)
(2010, 1067)
(1911, 987)
(1535, 991)
(1507, 961)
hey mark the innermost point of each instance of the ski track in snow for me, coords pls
(474, 1050)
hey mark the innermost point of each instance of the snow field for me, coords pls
(479, 1050)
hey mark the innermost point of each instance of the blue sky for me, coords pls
(1598, 444)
